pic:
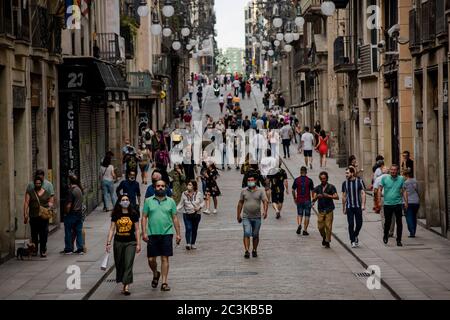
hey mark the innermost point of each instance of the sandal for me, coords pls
(165, 287)
(156, 280)
(126, 291)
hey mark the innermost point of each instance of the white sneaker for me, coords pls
(193, 247)
(353, 245)
(215, 211)
(206, 211)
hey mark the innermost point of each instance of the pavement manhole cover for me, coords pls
(234, 274)
(362, 274)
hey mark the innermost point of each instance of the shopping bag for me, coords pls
(105, 262)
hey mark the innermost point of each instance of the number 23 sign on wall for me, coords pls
(74, 79)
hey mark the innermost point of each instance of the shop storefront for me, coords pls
(87, 87)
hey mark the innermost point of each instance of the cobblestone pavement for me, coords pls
(288, 267)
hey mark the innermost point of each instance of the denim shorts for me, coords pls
(251, 227)
(304, 209)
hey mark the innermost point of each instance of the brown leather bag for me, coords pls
(44, 212)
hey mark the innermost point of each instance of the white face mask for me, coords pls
(125, 204)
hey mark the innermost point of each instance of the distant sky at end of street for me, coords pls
(230, 24)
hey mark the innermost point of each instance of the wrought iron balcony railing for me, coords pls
(345, 54)
(161, 65)
(140, 83)
(107, 47)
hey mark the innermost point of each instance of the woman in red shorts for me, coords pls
(322, 148)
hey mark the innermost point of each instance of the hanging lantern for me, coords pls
(168, 10)
(280, 36)
(328, 8)
(276, 43)
(156, 29)
(185, 32)
(167, 32)
(289, 37)
(176, 45)
(288, 48)
(143, 9)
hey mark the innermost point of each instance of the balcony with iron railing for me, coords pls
(106, 47)
(161, 65)
(303, 60)
(139, 83)
(345, 54)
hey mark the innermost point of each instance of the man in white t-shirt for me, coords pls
(259, 123)
(307, 146)
(236, 85)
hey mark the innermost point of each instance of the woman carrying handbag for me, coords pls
(125, 229)
(191, 203)
(33, 213)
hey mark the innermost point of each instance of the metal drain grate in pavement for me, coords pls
(362, 274)
(234, 274)
(111, 280)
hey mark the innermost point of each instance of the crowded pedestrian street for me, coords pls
(226, 150)
(288, 266)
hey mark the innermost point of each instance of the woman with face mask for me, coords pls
(191, 203)
(125, 229)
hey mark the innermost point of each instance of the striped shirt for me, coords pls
(353, 189)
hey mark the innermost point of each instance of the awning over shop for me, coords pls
(92, 77)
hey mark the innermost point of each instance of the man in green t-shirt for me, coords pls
(158, 219)
(393, 186)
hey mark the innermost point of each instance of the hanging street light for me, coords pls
(168, 9)
(185, 31)
(328, 8)
(143, 9)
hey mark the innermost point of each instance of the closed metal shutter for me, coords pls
(87, 156)
(34, 142)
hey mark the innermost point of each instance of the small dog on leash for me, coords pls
(26, 252)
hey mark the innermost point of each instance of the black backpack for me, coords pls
(148, 136)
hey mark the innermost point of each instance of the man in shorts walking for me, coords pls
(158, 219)
(278, 185)
(250, 200)
(307, 146)
(302, 189)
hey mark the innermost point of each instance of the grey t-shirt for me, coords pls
(252, 202)
(286, 132)
(412, 189)
(76, 198)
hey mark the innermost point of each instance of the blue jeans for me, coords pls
(411, 217)
(73, 222)
(108, 188)
(191, 222)
(251, 227)
(354, 214)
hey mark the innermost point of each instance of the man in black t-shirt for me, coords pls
(324, 194)
(278, 185)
